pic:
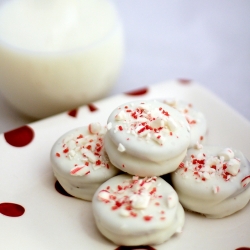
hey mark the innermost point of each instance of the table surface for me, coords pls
(206, 41)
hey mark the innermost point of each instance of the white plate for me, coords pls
(54, 221)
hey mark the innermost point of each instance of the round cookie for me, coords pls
(132, 211)
(146, 138)
(195, 118)
(79, 161)
(213, 181)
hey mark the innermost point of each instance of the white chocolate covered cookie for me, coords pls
(213, 181)
(146, 138)
(195, 118)
(79, 161)
(131, 211)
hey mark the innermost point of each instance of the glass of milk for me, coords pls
(56, 55)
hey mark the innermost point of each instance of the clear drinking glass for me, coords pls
(57, 55)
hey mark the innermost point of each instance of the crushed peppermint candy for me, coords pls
(133, 196)
(95, 128)
(245, 181)
(204, 167)
(85, 148)
(121, 148)
(185, 108)
(145, 121)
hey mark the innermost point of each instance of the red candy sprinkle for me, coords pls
(245, 184)
(133, 214)
(19, 137)
(75, 170)
(11, 209)
(87, 173)
(128, 208)
(66, 150)
(153, 190)
(147, 217)
(181, 165)
(98, 162)
(165, 113)
(80, 136)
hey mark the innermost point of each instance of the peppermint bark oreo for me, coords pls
(132, 211)
(146, 138)
(213, 181)
(79, 161)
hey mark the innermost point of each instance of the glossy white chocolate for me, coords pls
(146, 138)
(131, 211)
(75, 162)
(213, 181)
(139, 166)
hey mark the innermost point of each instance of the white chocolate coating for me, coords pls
(213, 181)
(79, 161)
(195, 118)
(130, 211)
(146, 133)
(139, 166)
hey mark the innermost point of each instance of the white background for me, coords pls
(207, 41)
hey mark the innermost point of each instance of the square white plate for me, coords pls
(55, 221)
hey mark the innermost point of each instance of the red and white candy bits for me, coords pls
(132, 211)
(146, 138)
(213, 181)
(80, 162)
(195, 118)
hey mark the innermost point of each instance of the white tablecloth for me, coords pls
(207, 41)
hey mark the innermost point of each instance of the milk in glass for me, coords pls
(56, 55)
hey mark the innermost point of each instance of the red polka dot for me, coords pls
(135, 247)
(141, 91)
(243, 248)
(61, 190)
(184, 81)
(92, 107)
(11, 209)
(19, 137)
(73, 112)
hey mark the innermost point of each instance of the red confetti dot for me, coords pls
(184, 81)
(243, 248)
(19, 137)
(141, 91)
(92, 107)
(73, 112)
(11, 209)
